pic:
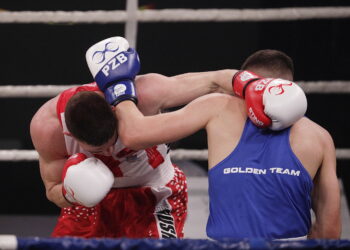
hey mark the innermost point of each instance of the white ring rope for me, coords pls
(35, 91)
(177, 154)
(326, 87)
(8, 242)
(177, 15)
(166, 15)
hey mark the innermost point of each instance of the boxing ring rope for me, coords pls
(177, 154)
(176, 15)
(37, 91)
(46, 91)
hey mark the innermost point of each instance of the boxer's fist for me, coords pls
(273, 103)
(86, 181)
(114, 66)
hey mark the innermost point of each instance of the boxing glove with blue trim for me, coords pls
(114, 66)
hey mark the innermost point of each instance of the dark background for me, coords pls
(55, 54)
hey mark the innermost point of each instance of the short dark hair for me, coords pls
(90, 119)
(272, 60)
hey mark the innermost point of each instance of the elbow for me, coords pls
(131, 141)
(134, 135)
(330, 231)
(334, 232)
(334, 228)
(50, 196)
(54, 198)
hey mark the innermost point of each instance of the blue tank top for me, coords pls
(260, 190)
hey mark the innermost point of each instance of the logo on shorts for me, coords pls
(166, 224)
(100, 55)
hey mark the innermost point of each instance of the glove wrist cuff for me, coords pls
(64, 193)
(121, 91)
(126, 98)
(241, 80)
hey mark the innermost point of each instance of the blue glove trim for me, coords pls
(125, 65)
(121, 91)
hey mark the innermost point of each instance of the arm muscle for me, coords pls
(158, 92)
(326, 196)
(47, 137)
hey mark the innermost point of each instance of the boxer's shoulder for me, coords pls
(310, 142)
(46, 130)
(306, 128)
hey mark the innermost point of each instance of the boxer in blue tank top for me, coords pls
(260, 181)
(260, 190)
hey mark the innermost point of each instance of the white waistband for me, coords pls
(296, 238)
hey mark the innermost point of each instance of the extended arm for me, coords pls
(326, 196)
(116, 72)
(268, 100)
(158, 92)
(138, 131)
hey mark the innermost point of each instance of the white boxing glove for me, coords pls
(285, 103)
(271, 103)
(102, 56)
(86, 181)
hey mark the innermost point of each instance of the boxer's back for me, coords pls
(260, 189)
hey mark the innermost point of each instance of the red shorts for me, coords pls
(140, 212)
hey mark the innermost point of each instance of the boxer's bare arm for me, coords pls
(137, 131)
(326, 194)
(48, 140)
(156, 92)
(219, 81)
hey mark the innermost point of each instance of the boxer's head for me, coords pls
(91, 120)
(270, 64)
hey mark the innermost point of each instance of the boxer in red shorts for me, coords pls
(103, 188)
(147, 196)
(125, 193)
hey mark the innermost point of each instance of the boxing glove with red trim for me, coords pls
(86, 181)
(271, 103)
